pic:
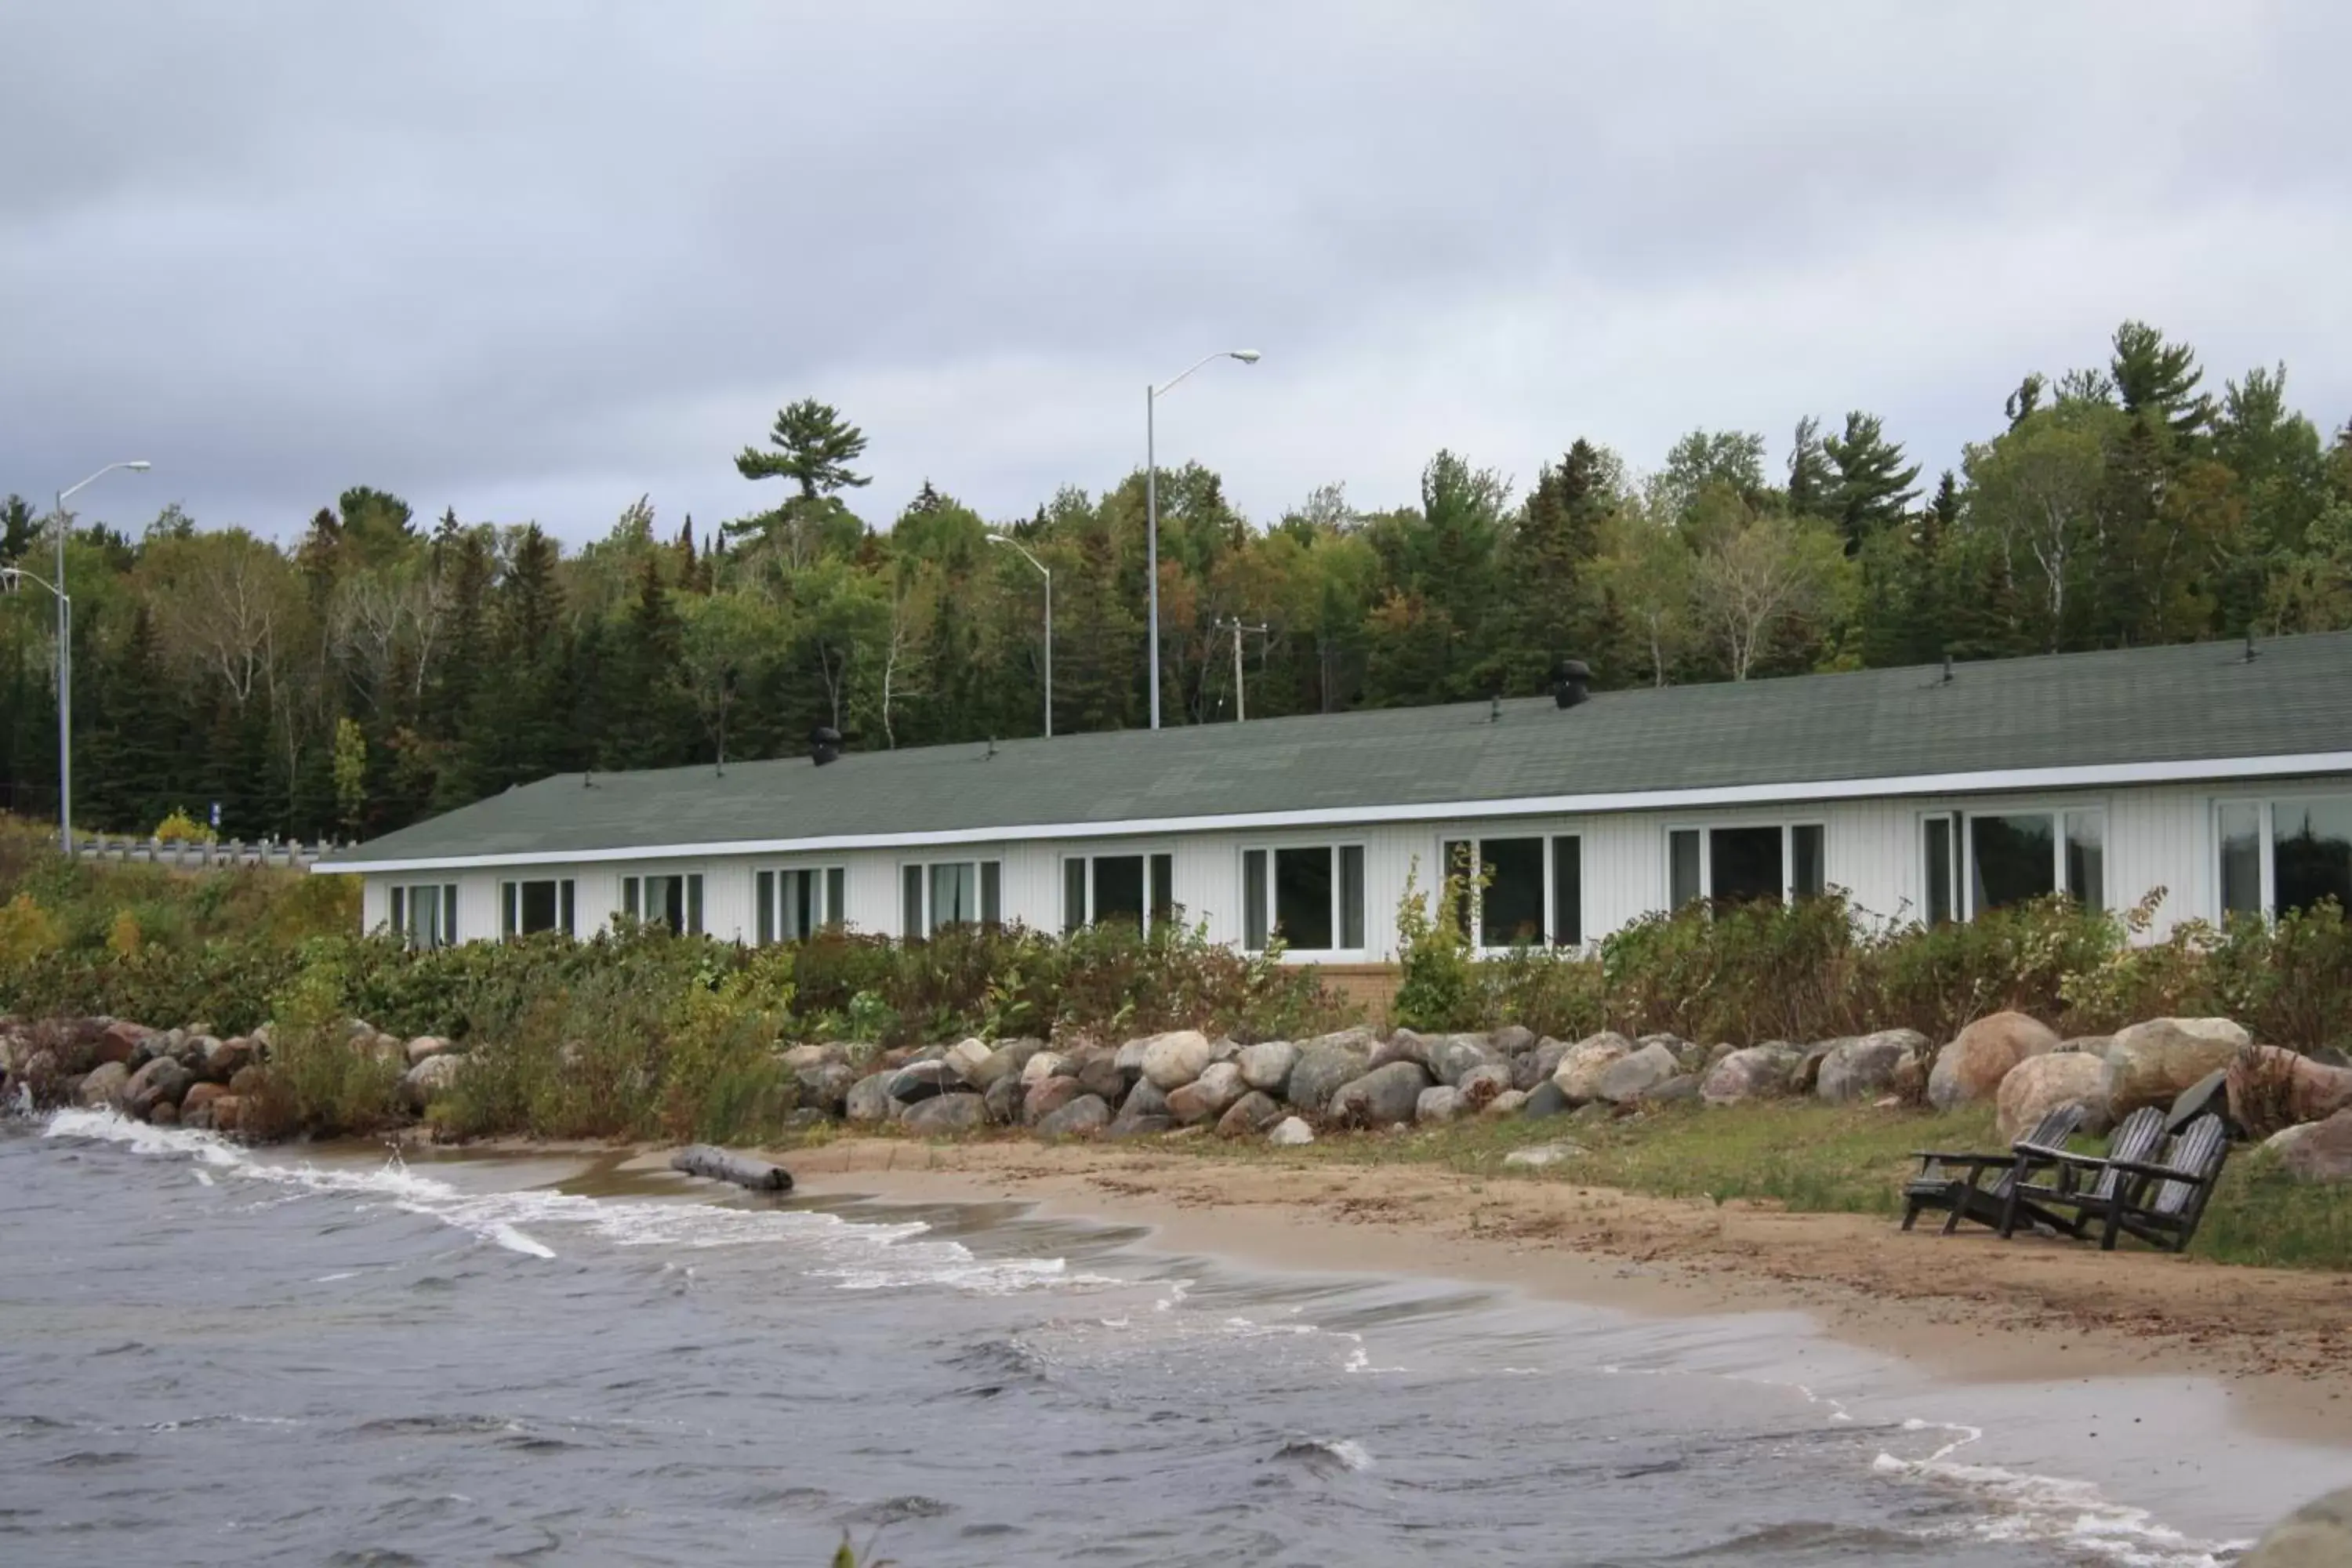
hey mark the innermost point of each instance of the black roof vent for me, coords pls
(825, 744)
(1570, 677)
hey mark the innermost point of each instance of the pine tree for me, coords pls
(1874, 486)
(2159, 378)
(18, 528)
(1810, 484)
(814, 446)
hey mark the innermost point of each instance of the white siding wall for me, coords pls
(2156, 837)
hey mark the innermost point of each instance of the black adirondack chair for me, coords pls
(1956, 1182)
(2068, 1188)
(2163, 1206)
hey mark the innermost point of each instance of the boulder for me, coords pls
(1864, 1067)
(1581, 1065)
(105, 1088)
(1482, 1086)
(1456, 1055)
(227, 1114)
(247, 1081)
(199, 1095)
(429, 1080)
(2316, 1535)
(1001, 1099)
(2316, 1151)
(1510, 1102)
(1144, 1102)
(415, 1050)
(825, 1086)
(970, 1060)
(1049, 1095)
(1970, 1068)
(1319, 1071)
(1546, 1098)
(1139, 1127)
(1538, 1155)
(1438, 1104)
(1084, 1117)
(1807, 1075)
(1547, 1053)
(161, 1081)
(1755, 1072)
(163, 1113)
(2270, 1086)
(1266, 1066)
(1290, 1132)
(1629, 1078)
(799, 1056)
(1173, 1060)
(1403, 1046)
(223, 1059)
(119, 1041)
(1046, 1064)
(2083, 1044)
(1129, 1057)
(1686, 1054)
(1099, 1076)
(1682, 1086)
(1380, 1098)
(1207, 1097)
(2040, 1085)
(1251, 1114)
(920, 1080)
(959, 1110)
(1513, 1039)
(2150, 1063)
(1014, 1056)
(868, 1101)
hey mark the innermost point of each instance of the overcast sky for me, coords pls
(533, 260)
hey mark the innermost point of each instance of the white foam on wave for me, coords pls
(856, 1255)
(2071, 1515)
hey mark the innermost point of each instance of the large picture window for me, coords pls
(425, 914)
(794, 905)
(529, 906)
(942, 893)
(1136, 888)
(1532, 894)
(675, 901)
(1764, 862)
(2022, 854)
(1312, 898)
(2285, 854)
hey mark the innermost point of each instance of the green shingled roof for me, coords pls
(2201, 701)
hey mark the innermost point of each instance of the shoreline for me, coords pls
(1968, 1309)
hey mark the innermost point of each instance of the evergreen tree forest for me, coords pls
(384, 664)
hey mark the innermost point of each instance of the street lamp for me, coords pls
(1151, 396)
(1048, 571)
(65, 654)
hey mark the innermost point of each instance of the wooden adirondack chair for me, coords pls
(1955, 1183)
(2077, 1187)
(2164, 1205)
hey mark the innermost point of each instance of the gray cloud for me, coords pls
(532, 260)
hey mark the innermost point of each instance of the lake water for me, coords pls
(212, 1355)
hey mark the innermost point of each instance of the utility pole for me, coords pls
(1234, 624)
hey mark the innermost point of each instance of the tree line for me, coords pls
(384, 667)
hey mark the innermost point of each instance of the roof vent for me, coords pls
(825, 744)
(1569, 678)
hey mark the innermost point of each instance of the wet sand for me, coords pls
(2276, 1343)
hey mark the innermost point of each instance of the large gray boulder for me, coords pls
(2151, 1063)
(1630, 1077)
(1546, 1098)
(1439, 1104)
(2316, 1151)
(1004, 1099)
(161, 1082)
(868, 1101)
(970, 1058)
(104, 1088)
(1290, 1132)
(1082, 1118)
(1144, 1102)
(1482, 1086)
(1046, 1096)
(1403, 1046)
(1513, 1039)
(1266, 1066)
(1045, 1065)
(1969, 1070)
(1319, 1071)
(1754, 1072)
(1380, 1098)
(1099, 1074)
(1455, 1055)
(1207, 1097)
(2267, 1084)
(1581, 1065)
(1173, 1061)
(429, 1080)
(959, 1112)
(2040, 1085)
(922, 1080)
(1865, 1067)
(825, 1086)
(1251, 1114)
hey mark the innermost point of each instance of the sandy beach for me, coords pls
(1966, 1307)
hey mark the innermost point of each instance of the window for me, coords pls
(1138, 889)
(526, 907)
(1769, 862)
(2282, 855)
(950, 893)
(425, 914)
(2017, 856)
(1312, 898)
(1518, 906)
(794, 905)
(1941, 840)
(675, 901)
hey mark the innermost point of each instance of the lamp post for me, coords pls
(1151, 396)
(1048, 572)
(65, 654)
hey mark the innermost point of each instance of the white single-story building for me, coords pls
(2219, 773)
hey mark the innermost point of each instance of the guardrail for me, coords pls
(190, 856)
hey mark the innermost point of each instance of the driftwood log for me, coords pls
(720, 1165)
